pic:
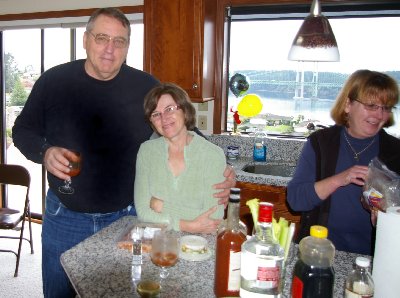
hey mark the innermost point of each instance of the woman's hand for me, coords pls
(226, 185)
(374, 217)
(356, 174)
(202, 224)
(156, 204)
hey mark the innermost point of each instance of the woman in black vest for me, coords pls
(327, 185)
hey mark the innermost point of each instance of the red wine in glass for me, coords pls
(75, 161)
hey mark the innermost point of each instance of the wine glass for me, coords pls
(164, 251)
(75, 160)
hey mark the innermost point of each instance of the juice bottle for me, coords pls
(313, 273)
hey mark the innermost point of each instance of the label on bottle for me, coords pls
(350, 294)
(259, 152)
(360, 290)
(265, 273)
(234, 271)
(297, 287)
(268, 277)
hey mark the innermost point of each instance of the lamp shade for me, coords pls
(315, 40)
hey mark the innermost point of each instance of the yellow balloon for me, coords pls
(250, 105)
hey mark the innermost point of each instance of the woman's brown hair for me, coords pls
(179, 95)
(369, 87)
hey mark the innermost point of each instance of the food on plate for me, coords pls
(194, 245)
(125, 245)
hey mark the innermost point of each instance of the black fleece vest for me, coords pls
(326, 144)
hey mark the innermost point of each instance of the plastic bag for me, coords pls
(382, 187)
(147, 230)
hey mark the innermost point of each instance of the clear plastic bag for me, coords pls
(382, 187)
(146, 231)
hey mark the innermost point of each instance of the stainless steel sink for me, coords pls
(270, 169)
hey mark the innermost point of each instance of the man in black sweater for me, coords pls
(93, 106)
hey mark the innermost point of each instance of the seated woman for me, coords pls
(175, 173)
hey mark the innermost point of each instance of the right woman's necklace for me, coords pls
(357, 154)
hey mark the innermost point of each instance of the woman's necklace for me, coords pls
(357, 154)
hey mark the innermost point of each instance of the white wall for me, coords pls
(25, 6)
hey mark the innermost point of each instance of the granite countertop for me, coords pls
(98, 268)
(279, 151)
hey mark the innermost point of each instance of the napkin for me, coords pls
(386, 266)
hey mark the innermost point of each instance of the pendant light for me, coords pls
(315, 40)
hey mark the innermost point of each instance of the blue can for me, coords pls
(232, 152)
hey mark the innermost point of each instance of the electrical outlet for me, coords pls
(203, 106)
(202, 122)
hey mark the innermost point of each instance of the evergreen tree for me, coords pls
(18, 95)
(11, 71)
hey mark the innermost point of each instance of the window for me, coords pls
(259, 46)
(23, 63)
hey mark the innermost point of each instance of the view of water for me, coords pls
(312, 109)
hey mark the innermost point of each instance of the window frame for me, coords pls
(222, 39)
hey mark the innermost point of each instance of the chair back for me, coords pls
(15, 175)
(11, 218)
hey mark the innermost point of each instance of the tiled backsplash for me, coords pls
(278, 149)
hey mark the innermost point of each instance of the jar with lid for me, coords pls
(313, 273)
(359, 282)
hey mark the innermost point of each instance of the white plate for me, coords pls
(194, 241)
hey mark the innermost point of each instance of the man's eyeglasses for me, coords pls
(168, 111)
(103, 39)
(374, 107)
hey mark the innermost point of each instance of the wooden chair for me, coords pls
(11, 218)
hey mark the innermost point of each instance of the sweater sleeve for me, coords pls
(215, 166)
(301, 194)
(29, 129)
(142, 193)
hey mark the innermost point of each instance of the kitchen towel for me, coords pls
(386, 266)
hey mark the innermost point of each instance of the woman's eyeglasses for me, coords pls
(374, 107)
(168, 111)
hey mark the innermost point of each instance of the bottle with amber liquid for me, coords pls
(228, 250)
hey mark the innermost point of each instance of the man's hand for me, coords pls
(226, 185)
(201, 224)
(56, 162)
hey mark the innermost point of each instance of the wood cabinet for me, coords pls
(267, 193)
(180, 44)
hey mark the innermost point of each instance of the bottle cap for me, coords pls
(234, 195)
(265, 212)
(362, 261)
(319, 231)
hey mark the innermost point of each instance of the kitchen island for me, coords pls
(96, 267)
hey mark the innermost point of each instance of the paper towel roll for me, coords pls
(386, 265)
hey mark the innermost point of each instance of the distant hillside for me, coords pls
(282, 84)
